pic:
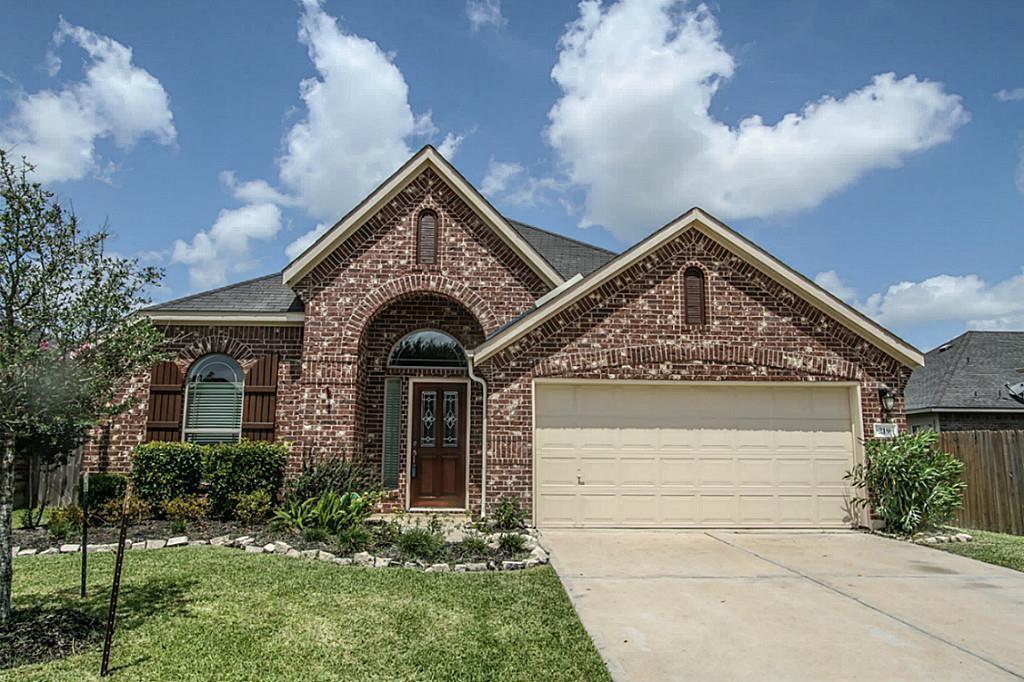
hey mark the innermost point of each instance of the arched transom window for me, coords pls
(213, 400)
(427, 348)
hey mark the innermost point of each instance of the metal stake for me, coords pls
(85, 528)
(116, 589)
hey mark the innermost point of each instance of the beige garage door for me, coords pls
(681, 455)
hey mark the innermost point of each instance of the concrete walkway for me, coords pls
(668, 605)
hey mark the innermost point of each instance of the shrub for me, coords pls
(165, 470)
(110, 512)
(354, 539)
(105, 487)
(511, 543)
(475, 545)
(420, 543)
(186, 508)
(508, 515)
(252, 507)
(910, 483)
(65, 522)
(334, 475)
(234, 469)
(314, 534)
(386, 533)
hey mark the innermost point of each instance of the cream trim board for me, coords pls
(295, 319)
(685, 382)
(408, 437)
(769, 265)
(428, 157)
(973, 410)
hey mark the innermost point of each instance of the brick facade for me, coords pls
(981, 421)
(370, 292)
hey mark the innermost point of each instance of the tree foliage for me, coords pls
(67, 335)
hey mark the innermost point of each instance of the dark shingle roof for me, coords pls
(268, 294)
(971, 371)
(567, 256)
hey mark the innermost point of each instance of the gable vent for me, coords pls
(426, 238)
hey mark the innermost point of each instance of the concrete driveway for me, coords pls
(666, 605)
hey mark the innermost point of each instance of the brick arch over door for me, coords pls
(399, 288)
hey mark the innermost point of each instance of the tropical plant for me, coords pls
(233, 469)
(507, 514)
(67, 338)
(910, 483)
(164, 471)
(337, 475)
(295, 515)
(331, 512)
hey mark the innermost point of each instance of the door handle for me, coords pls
(415, 456)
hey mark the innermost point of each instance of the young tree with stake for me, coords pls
(68, 338)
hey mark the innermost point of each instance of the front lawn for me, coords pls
(207, 613)
(993, 548)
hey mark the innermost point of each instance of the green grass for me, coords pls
(992, 548)
(207, 613)
(18, 516)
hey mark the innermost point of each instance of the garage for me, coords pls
(677, 455)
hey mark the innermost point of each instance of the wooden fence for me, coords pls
(57, 486)
(994, 472)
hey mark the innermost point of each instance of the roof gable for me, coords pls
(735, 243)
(428, 157)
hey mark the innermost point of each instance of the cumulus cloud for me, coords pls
(57, 129)
(1015, 95)
(306, 240)
(225, 248)
(498, 175)
(485, 13)
(450, 145)
(649, 69)
(254, 191)
(942, 298)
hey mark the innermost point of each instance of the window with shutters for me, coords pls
(426, 238)
(213, 400)
(693, 280)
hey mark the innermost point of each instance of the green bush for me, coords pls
(420, 543)
(475, 545)
(332, 475)
(110, 512)
(186, 508)
(910, 483)
(252, 507)
(508, 515)
(314, 534)
(105, 487)
(354, 539)
(162, 471)
(65, 522)
(331, 512)
(234, 469)
(511, 543)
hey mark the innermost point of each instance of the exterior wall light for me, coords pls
(887, 398)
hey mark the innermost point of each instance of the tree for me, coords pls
(68, 335)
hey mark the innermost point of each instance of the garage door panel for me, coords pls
(693, 455)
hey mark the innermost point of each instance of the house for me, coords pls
(692, 380)
(965, 384)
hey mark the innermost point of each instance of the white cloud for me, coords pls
(498, 175)
(57, 130)
(305, 241)
(943, 298)
(648, 70)
(485, 13)
(254, 191)
(450, 145)
(1015, 95)
(357, 121)
(226, 247)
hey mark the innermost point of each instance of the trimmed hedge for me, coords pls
(238, 469)
(163, 471)
(104, 487)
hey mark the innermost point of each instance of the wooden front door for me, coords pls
(437, 472)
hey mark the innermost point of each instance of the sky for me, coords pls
(876, 147)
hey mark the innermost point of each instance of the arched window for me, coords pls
(426, 238)
(213, 400)
(693, 289)
(427, 348)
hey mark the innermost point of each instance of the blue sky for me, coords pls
(876, 147)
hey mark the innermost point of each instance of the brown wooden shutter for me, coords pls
(259, 401)
(166, 397)
(694, 291)
(427, 238)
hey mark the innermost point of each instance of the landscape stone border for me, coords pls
(247, 543)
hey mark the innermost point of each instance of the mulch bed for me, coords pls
(41, 635)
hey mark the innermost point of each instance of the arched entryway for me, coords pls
(417, 412)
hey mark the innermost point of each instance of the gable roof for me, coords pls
(969, 372)
(568, 256)
(427, 157)
(697, 219)
(264, 299)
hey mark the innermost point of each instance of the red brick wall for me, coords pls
(980, 421)
(755, 331)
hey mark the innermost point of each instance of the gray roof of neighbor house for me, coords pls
(969, 372)
(268, 294)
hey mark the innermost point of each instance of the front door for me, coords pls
(437, 472)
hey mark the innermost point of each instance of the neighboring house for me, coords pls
(691, 380)
(965, 384)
